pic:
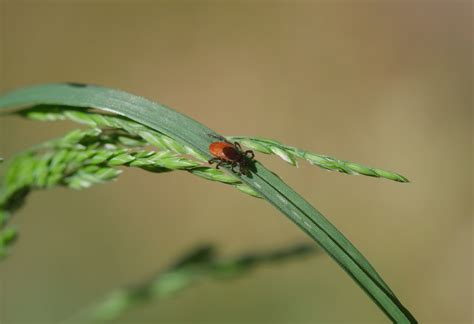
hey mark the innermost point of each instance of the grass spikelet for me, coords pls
(289, 153)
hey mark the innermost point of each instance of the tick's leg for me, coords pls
(213, 160)
(234, 164)
(237, 145)
(221, 162)
(216, 136)
(220, 138)
(250, 153)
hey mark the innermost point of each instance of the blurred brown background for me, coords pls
(387, 84)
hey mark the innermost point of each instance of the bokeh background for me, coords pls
(387, 84)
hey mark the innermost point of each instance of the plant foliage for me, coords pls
(86, 157)
(200, 264)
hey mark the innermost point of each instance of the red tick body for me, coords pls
(225, 151)
(230, 154)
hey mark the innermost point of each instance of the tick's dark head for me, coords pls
(247, 165)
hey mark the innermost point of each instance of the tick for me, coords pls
(230, 154)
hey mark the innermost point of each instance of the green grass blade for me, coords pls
(195, 135)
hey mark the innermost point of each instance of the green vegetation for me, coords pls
(121, 134)
(200, 264)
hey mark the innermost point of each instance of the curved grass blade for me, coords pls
(195, 135)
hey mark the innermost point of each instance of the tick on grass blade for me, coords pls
(231, 154)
